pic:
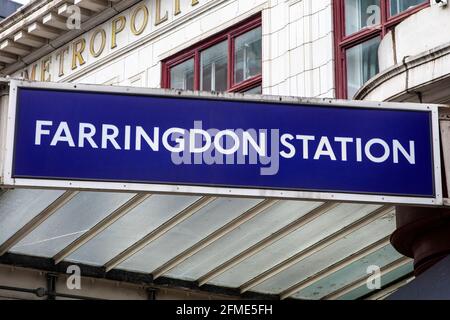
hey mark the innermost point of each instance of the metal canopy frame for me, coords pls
(47, 265)
(217, 191)
(186, 213)
(157, 276)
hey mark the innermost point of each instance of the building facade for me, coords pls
(377, 50)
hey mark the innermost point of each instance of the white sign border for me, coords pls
(10, 182)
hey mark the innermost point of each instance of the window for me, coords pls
(214, 68)
(230, 62)
(359, 27)
(398, 6)
(182, 75)
(247, 55)
(362, 64)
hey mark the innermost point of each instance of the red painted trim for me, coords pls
(197, 70)
(230, 72)
(247, 84)
(343, 42)
(360, 36)
(228, 35)
(384, 14)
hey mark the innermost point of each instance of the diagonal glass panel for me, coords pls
(19, 206)
(132, 227)
(386, 279)
(68, 223)
(341, 249)
(250, 233)
(349, 274)
(187, 233)
(330, 222)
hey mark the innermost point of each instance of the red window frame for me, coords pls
(229, 35)
(344, 42)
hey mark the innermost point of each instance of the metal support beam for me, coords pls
(37, 221)
(361, 282)
(158, 232)
(335, 268)
(216, 235)
(283, 232)
(99, 227)
(329, 240)
(51, 285)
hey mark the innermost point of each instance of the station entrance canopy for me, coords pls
(281, 196)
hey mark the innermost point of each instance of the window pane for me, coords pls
(247, 55)
(360, 14)
(214, 68)
(398, 6)
(182, 76)
(255, 90)
(362, 64)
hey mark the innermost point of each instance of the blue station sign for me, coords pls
(106, 138)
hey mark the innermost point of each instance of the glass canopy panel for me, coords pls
(386, 279)
(19, 206)
(132, 227)
(328, 223)
(349, 274)
(253, 231)
(188, 233)
(76, 217)
(328, 256)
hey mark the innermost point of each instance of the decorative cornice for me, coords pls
(398, 69)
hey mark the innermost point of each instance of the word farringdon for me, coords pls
(220, 147)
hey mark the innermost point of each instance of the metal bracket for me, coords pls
(51, 286)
